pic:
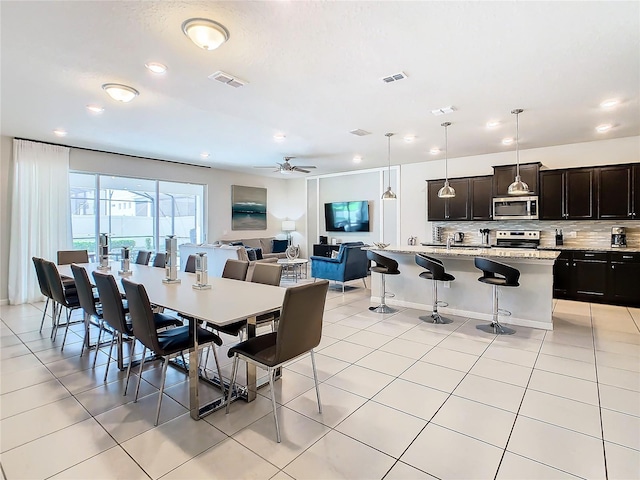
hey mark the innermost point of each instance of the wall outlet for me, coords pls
(446, 284)
(570, 235)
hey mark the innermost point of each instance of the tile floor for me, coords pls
(401, 400)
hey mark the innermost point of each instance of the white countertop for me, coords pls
(494, 252)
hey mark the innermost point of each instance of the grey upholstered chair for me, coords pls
(160, 260)
(143, 257)
(64, 298)
(87, 303)
(190, 266)
(67, 257)
(299, 331)
(235, 269)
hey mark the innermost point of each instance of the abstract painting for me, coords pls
(248, 208)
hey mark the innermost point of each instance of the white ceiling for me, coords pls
(314, 71)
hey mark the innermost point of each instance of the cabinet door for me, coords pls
(552, 189)
(480, 194)
(615, 193)
(562, 275)
(589, 279)
(504, 175)
(636, 192)
(529, 174)
(623, 283)
(458, 206)
(435, 205)
(580, 194)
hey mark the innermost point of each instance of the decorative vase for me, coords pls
(293, 252)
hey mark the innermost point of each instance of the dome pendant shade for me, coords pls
(518, 187)
(388, 194)
(205, 33)
(447, 191)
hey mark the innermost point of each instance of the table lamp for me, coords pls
(288, 226)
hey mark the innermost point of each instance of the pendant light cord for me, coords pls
(446, 153)
(518, 144)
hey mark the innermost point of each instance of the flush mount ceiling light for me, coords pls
(357, 159)
(434, 151)
(604, 128)
(156, 67)
(279, 137)
(119, 92)
(388, 194)
(95, 108)
(409, 138)
(507, 141)
(60, 132)
(204, 154)
(205, 33)
(518, 187)
(612, 102)
(493, 124)
(446, 191)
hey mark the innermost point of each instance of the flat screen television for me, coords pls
(347, 216)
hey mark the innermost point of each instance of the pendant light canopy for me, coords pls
(388, 194)
(447, 191)
(518, 187)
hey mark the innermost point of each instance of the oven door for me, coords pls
(515, 208)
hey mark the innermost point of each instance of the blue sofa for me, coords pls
(350, 264)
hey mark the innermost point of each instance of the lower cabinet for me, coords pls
(324, 250)
(599, 277)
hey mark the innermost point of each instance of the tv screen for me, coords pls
(347, 216)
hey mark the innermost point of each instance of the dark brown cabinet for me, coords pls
(624, 272)
(616, 193)
(504, 175)
(324, 250)
(456, 208)
(480, 195)
(589, 275)
(636, 192)
(562, 275)
(436, 206)
(568, 194)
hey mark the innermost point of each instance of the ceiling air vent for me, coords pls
(228, 79)
(359, 132)
(394, 78)
(441, 111)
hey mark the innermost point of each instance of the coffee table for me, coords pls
(293, 268)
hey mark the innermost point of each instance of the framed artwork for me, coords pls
(248, 208)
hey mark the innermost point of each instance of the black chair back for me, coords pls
(300, 325)
(42, 277)
(235, 269)
(144, 327)
(67, 257)
(112, 309)
(435, 266)
(491, 268)
(84, 290)
(143, 257)
(190, 266)
(160, 260)
(381, 261)
(267, 273)
(55, 283)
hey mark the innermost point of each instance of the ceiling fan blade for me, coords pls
(262, 166)
(306, 166)
(298, 169)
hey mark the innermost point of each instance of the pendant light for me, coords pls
(388, 194)
(446, 191)
(518, 187)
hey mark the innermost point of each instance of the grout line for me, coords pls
(604, 450)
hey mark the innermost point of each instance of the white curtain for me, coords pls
(40, 214)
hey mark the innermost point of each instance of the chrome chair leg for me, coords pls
(495, 327)
(144, 351)
(233, 382)
(113, 340)
(273, 402)
(215, 357)
(66, 329)
(100, 328)
(133, 344)
(86, 339)
(164, 375)
(365, 282)
(44, 314)
(383, 307)
(315, 379)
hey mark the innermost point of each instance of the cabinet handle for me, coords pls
(627, 256)
(589, 255)
(613, 267)
(574, 264)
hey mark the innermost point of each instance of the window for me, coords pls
(136, 213)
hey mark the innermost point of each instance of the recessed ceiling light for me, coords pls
(434, 151)
(119, 92)
(156, 67)
(507, 141)
(493, 124)
(205, 33)
(357, 159)
(605, 127)
(95, 108)
(204, 154)
(60, 132)
(612, 102)
(409, 138)
(279, 137)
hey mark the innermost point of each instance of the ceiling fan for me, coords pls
(286, 167)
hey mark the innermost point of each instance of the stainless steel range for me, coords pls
(518, 238)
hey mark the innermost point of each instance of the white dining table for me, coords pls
(227, 301)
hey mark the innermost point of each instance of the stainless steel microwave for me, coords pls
(515, 208)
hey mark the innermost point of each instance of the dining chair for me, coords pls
(143, 257)
(87, 303)
(44, 289)
(67, 299)
(114, 316)
(190, 266)
(235, 269)
(67, 257)
(299, 331)
(163, 344)
(160, 260)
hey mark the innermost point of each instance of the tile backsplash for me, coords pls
(588, 233)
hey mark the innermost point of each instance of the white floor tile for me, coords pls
(113, 463)
(337, 331)
(412, 398)
(338, 456)
(325, 366)
(337, 404)
(240, 415)
(621, 428)
(568, 351)
(433, 376)
(490, 392)
(402, 471)
(516, 467)
(450, 359)
(445, 454)
(29, 398)
(361, 381)
(11, 382)
(368, 339)
(288, 387)
(622, 463)
(502, 371)
(617, 377)
(347, 352)
(110, 395)
(566, 366)
(385, 362)
(615, 360)
(383, 428)
(619, 399)
(406, 348)
(424, 336)
(566, 450)
(564, 386)
(464, 345)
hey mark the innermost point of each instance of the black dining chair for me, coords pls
(160, 260)
(299, 331)
(67, 257)
(44, 289)
(190, 266)
(163, 344)
(87, 303)
(143, 257)
(436, 273)
(384, 266)
(67, 299)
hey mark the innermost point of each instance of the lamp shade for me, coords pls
(288, 226)
(205, 33)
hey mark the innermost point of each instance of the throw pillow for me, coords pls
(280, 246)
(258, 253)
(334, 253)
(251, 253)
(236, 244)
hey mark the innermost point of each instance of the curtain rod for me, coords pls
(114, 153)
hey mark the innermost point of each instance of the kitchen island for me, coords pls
(531, 303)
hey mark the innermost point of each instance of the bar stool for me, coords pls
(435, 272)
(384, 266)
(507, 277)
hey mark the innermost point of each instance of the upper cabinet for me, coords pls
(618, 193)
(481, 194)
(567, 194)
(504, 175)
(456, 208)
